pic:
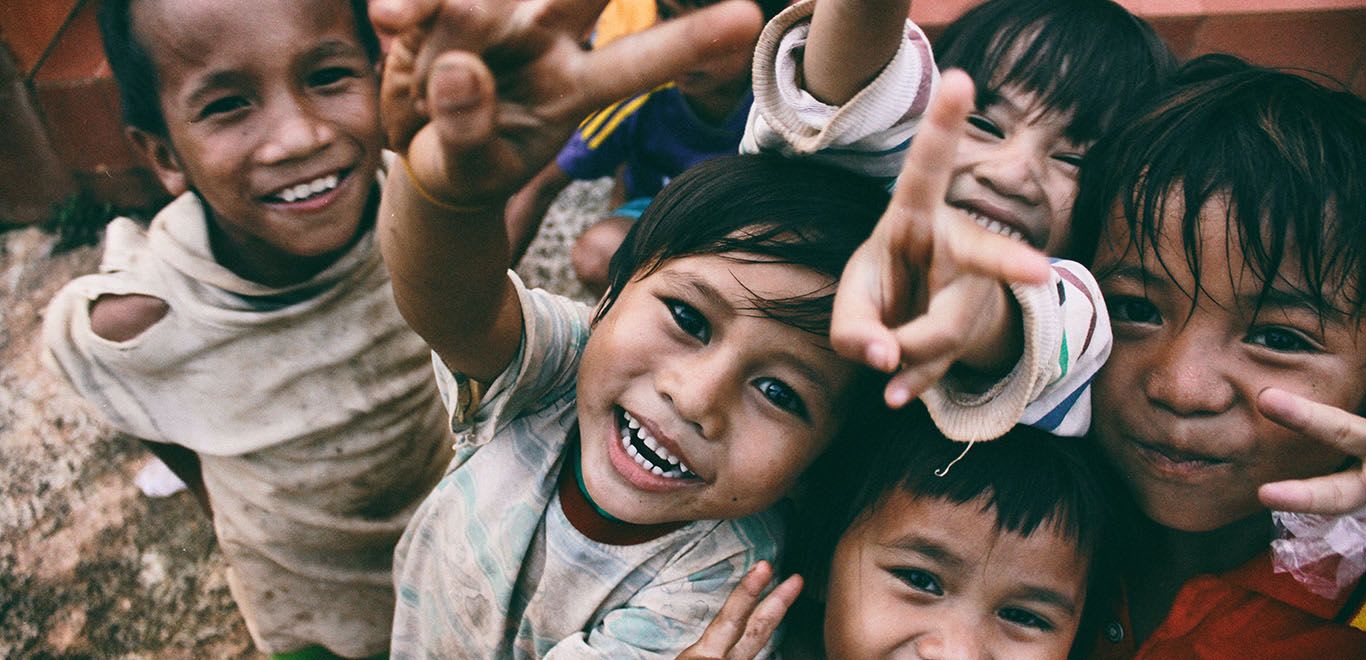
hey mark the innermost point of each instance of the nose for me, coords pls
(952, 639)
(701, 385)
(294, 132)
(1186, 376)
(1014, 169)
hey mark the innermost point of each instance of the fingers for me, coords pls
(663, 52)
(398, 16)
(460, 100)
(765, 619)
(1333, 494)
(745, 624)
(925, 175)
(857, 327)
(1332, 426)
(973, 249)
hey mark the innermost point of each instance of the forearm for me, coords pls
(526, 210)
(449, 273)
(849, 44)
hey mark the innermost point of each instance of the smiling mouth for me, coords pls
(647, 452)
(1171, 460)
(309, 189)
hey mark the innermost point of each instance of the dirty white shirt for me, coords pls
(490, 567)
(312, 408)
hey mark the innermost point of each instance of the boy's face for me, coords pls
(694, 407)
(1016, 166)
(1176, 402)
(926, 578)
(272, 115)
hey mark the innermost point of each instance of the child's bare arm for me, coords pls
(478, 96)
(928, 289)
(850, 42)
(1334, 494)
(527, 208)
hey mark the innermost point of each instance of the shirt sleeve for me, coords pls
(869, 134)
(1067, 339)
(544, 370)
(672, 612)
(603, 141)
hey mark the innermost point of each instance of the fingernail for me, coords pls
(897, 396)
(460, 87)
(877, 356)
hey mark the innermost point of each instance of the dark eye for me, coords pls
(1021, 617)
(330, 76)
(689, 320)
(1071, 160)
(782, 395)
(981, 123)
(1279, 339)
(222, 106)
(1127, 309)
(919, 580)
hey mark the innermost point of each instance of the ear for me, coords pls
(157, 151)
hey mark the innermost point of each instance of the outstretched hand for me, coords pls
(927, 289)
(478, 95)
(746, 623)
(1334, 494)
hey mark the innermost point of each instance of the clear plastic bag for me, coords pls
(1327, 554)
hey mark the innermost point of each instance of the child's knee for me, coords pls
(592, 252)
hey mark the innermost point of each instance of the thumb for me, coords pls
(857, 330)
(446, 155)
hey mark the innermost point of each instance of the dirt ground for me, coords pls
(89, 566)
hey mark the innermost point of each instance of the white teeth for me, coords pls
(306, 190)
(995, 226)
(632, 432)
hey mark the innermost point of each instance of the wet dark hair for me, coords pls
(756, 208)
(1285, 152)
(1027, 480)
(1089, 57)
(136, 75)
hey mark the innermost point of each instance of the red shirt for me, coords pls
(1247, 613)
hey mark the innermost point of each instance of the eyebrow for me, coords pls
(213, 82)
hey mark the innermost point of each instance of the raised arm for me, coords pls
(850, 42)
(478, 96)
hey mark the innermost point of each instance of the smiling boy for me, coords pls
(250, 334)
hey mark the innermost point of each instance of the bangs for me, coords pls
(1281, 152)
(1091, 59)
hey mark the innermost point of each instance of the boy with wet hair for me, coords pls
(250, 334)
(1231, 254)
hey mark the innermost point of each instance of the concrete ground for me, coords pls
(89, 566)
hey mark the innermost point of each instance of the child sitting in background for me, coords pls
(252, 325)
(614, 482)
(655, 135)
(1230, 253)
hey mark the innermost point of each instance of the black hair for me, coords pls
(1027, 479)
(136, 75)
(1089, 57)
(760, 208)
(1284, 152)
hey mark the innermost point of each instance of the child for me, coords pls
(1006, 555)
(252, 325)
(656, 134)
(1232, 262)
(614, 482)
(1051, 77)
